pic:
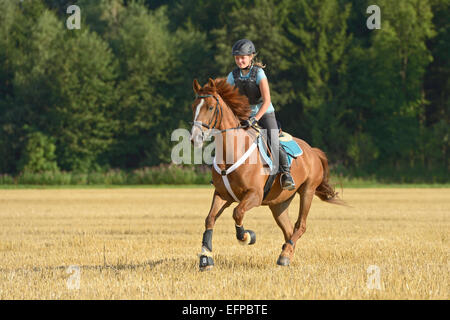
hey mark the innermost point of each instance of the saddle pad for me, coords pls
(263, 152)
(293, 150)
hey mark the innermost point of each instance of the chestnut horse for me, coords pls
(220, 106)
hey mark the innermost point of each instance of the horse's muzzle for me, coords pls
(197, 137)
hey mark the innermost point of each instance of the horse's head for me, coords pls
(207, 112)
(218, 105)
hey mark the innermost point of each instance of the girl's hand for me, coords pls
(250, 122)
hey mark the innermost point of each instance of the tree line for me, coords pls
(110, 94)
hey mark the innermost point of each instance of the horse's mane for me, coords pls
(237, 102)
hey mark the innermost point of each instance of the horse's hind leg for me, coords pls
(306, 192)
(281, 215)
(218, 205)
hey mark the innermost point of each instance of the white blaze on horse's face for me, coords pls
(197, 109)
(197, 136)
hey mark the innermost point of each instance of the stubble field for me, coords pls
(143, 243)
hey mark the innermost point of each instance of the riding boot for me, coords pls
(286, 181)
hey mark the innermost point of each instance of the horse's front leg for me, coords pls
(250, 200)
(217, 206)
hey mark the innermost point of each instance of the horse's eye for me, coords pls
(211, 107)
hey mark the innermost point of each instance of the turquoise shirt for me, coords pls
(259, 76)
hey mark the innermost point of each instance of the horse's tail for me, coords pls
(325, 191)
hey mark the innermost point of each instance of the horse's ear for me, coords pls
(196, 86)
(211, 83)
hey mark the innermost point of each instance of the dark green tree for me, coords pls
(63, 87)
(317, 54)
(385, 90)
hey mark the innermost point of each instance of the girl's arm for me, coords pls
(265, 93)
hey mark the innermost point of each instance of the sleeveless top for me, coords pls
(249, 86)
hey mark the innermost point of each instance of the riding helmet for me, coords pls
(243, 47)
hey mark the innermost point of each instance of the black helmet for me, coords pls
(243, 47)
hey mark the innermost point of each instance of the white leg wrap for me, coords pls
(205, 252)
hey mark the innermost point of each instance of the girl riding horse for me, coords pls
(220, 108)
(252, 82)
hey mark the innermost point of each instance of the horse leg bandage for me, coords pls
(240, 233)
(207, 239)
(206, 260)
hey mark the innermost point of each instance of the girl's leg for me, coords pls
(269, 122)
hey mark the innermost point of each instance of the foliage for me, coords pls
(39, 154)
(109, 95)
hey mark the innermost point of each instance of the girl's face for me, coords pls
(243, 61)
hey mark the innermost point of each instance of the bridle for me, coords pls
(218, 113)
(215, 117)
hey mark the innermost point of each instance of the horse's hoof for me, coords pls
(250, 238)
(206, 263)
(207, 268)
(283, 261)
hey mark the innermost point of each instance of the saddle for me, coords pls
(293, 150)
